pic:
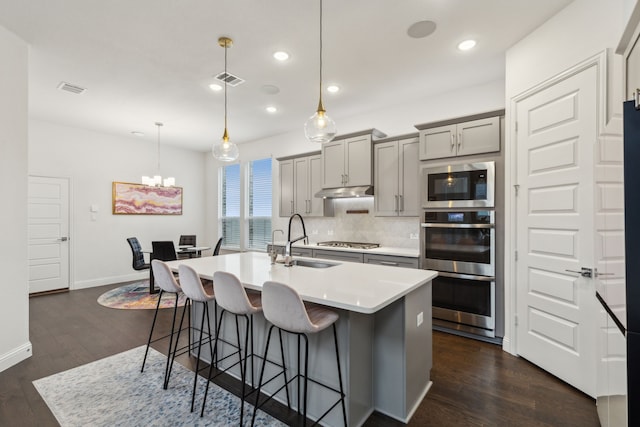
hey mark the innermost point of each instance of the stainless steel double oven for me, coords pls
(458, 239)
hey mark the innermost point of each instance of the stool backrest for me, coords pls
(283, 307)
(230, 294)
(192, 285)
(163, 277)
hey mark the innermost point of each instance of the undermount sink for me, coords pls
(314, 264)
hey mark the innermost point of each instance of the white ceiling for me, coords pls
(144, 61)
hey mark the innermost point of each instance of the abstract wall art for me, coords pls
(139, 199)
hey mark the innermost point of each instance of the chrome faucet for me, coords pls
(274, 253)
(287, 249)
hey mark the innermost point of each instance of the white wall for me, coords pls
(14, 300)
(99, 251)
(582, 30)
(394, 120)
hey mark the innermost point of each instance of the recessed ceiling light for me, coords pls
(215, 87)
(271, 109)
(333, 88)
(466, 45)
(421, 29)
(281, 55)
(137, 133)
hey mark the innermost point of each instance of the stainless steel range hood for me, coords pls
(344, 192)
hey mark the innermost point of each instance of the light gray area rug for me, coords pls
(113, 392)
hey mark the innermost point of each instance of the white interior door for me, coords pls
(48, 211)
(556, 309)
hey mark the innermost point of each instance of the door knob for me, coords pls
(63, 239)
(584, 272)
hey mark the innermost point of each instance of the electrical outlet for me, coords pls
(420, 318)
(413, 236)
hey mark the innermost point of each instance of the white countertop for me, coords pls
(382, 250)
(363, 288)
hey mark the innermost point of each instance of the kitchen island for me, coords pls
(384, 330)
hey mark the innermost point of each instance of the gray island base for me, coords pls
(384, 333)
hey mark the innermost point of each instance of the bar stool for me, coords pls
(285, 310)
(193, 289)
(167, 283)
(232, 297)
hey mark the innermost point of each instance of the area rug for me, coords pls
(137, 296)
(113, 392)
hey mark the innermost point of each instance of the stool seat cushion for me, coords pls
(284, 308)
(231, 295)
(163, 277)
(192, 285)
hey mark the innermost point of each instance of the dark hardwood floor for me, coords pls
(474, 383)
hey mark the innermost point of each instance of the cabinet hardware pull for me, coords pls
(401, 203)
(389, 263)
(459, 141)
(396, 208)
(453, 141)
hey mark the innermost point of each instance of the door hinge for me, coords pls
(517, 188)
(516, 255)
(516, 319)
(516, 126)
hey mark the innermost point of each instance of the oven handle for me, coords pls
(445, 225)
(467, 276)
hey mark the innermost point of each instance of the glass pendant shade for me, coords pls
(156, 180)
(320, 127)
(225, 151)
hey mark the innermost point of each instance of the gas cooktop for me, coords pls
(354, 245)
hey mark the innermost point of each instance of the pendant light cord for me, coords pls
(158, 124)
(321, 106)
(226, 78)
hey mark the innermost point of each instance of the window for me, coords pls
(230, 215)
(245, 205)
(259, 217)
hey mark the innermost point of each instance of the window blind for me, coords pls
(230, 219)
(259, 218)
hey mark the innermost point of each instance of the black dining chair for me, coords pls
(186, 240)
(164, 251)
(216, 251)
(138, 255)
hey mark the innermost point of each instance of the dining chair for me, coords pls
(138, 255)
(216, 250)
(186, 240)
(163, 251)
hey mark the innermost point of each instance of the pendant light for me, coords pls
(320, 127)
(156, 180)
(225, 150)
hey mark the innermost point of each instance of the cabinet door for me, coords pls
(286, 188)
(438, 143)
(479, 136)
(358, 161)
(316, 204)
(386, 174)
(301, 185)
(333, 164)
(409, 204)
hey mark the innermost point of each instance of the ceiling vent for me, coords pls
(71, 88)
(229, 79)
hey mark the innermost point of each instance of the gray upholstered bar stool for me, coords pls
(233, 299)
(167, 283)
(285, 310)
(193, 289)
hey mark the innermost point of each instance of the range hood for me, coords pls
(344, 192)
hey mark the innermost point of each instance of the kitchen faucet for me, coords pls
(287, 249)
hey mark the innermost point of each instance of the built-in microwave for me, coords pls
(469, 185)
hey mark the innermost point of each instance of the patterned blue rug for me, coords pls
(113, 392)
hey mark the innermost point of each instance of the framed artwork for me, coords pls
(140, 199)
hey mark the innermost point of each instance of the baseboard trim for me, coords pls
(15, 356)
(110, 280)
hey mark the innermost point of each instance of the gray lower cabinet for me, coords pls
(338, 255)
(391, 260)
(388, 260)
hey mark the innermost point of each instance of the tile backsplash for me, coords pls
(397, 232)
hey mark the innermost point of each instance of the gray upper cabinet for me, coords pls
(460, 139)
(396, 178)
(300, 179)
(347, 162)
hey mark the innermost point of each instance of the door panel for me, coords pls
(48, 223)
(555, 142)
